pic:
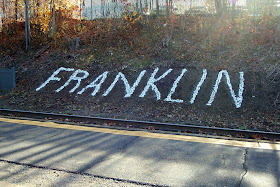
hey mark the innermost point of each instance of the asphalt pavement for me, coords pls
(34, 153)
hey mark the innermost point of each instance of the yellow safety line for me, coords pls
(236, 143)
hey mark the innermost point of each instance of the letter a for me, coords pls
(101, 78)
(129, 89)
(74, 77)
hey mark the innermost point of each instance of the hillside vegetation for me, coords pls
(135, 41)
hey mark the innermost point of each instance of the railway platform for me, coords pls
(37, 153)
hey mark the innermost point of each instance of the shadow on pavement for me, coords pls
(147, 160)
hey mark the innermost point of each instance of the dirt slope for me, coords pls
(254, 105)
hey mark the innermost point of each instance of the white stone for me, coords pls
(96, 84)
(53, 77)
(237, 99)
(172, 90)
(151, 83)
(129, 89)
(203, 77)
(74, 77)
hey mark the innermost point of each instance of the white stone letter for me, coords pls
(129, 90)
(198, 86)
(74, 77)
(53, 77)
(237, 100)
(151, 82)
(172, 90)
(101, 78)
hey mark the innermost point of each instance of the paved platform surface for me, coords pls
(36, 153)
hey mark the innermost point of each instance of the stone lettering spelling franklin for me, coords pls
(79, 75)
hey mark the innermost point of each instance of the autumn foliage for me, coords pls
(181, 37)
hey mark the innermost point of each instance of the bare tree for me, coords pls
(137, 6)
(157, 6)
(52, 29)
(16, 9)
(36, 15)
(91, 5)
(27, 24)
(167, 8)
(141, 7)
(4, 10)
(2, 15)
(170, 6)
(103, 8)
(151, 5)
(221, 7)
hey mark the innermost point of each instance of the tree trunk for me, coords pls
(38, 4)
(27, 24)
(91, 9)
(103, 8)
(141, 7)
(38, 24)
(157, 5)
(16, 9)
(220, 6)
(1, 17)
(28, 19)
(4, 10)
(167, 8)
(233, 10)
(171, 7)
(53, 18)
